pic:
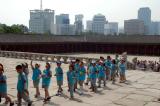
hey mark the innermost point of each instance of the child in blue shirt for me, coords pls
(36, 78)
(26, 72)
(107, 66)
(76, 69)
(3, 86)
(113, 71)
(71, 80)
(46, 79)
(93, 76)
(88, 72)
(101, 74)
(122, 68)
(59, 77)
(117, 63)
(22, 87)
(81, 76)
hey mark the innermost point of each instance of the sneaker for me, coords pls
(30, 103)
(86, 83)
(99, 86)
(11, 104)
(49, 98)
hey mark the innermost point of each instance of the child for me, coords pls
(122, 71)
(3, 86)
(113, 71)
(46, 79)
(59, 77)
(36, 78)
(88, 72)
(117, 63)
(26, 72)
(76, 69)
(22, 87)
(93, 76)
(71, 80)
(107, 66)
(101, 74)
(81, 76)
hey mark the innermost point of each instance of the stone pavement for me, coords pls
(141, 89)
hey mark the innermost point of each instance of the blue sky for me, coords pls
(17, 11)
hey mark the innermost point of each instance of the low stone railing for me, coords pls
(41, 57)
(48, 57)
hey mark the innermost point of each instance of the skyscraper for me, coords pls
(144, 14)
(41, 21)
(89, 26)
(134, 26)
(111, 28)
(98, 23)
(78, 24)
(63, 26)
(155, 28)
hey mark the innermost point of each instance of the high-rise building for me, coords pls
(134, 26)
(111, 28)
(63, 26)
(144, 14)
(62, 19)
(98, 24)
(79, 24)
(41, 21)
(89, 26)
(155, 28)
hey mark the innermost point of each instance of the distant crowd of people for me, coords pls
(94, 74)
(146, 65)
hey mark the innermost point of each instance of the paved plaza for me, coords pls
(141, 89)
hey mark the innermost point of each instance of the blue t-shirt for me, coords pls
(122, 68)
(76, 67)
(101, 71)
(36, 74)
(3, 86)
(113, 68)
(93, 70)
(21, 85)
(46, 79)
(71, 77)
(82, 73)
(59, 74)
(108, 63)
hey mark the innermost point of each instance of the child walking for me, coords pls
(71, 80)
(107, 66)
(76, 69)
(22, 87)
(101, 74)
(93, 76)
(59, 77)
(113, 71)
(46, 79)
(122, 71)
(81, 76)
(36, 78)
(3, 87)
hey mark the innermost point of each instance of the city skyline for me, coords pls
(115, 11)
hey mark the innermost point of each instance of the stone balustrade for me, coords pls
(48, 57)
(42, 57)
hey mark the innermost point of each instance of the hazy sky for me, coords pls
(17, 11)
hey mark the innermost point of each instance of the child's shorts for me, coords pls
(3, 95)
(36, 83)
(59, 83)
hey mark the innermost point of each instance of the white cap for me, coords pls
(93, 61)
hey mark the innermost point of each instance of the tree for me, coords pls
(13, 29)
